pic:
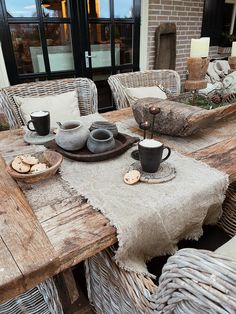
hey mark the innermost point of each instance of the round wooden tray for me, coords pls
(123, 143)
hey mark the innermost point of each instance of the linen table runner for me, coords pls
(150, 218)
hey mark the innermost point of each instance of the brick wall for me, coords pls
(188, 18)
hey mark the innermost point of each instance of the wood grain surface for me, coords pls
(38, 243)
(24, 238)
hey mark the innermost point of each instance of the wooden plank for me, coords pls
(221, 156)
(79, 233)
(11, 278)
(70, 284)
(23, 235)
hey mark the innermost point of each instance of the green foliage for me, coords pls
(203, 102)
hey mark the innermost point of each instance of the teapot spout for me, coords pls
(59, 124)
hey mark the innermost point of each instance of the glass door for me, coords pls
(37, 39)
(113, 41)
(50, 39)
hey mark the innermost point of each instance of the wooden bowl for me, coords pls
(51, 158)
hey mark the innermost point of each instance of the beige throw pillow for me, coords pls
(136, 93)
(62, 107)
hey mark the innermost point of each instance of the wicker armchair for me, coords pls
(87, 96)
(197, 281)
(192, 282)
(170, 79)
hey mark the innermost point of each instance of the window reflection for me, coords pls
(100, 39)
(55, 8)
(99, 8)
(123, 8)
(25, 39)
(59, 47)
(124, 39)
(21, 8)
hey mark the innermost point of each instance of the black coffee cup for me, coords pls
(40, 121)
(150, 154)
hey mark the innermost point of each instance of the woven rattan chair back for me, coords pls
(169, 79)
(87, 96)
(43, 299)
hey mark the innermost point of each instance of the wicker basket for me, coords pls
(192, 281)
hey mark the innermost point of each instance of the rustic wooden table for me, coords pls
(35, 245)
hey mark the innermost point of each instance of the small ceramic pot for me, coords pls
(72, 135)
(104, 125)
(100, 140)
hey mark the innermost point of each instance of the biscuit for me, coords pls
(132, 177)
(30, 160)
(19, 165)
(38, 168)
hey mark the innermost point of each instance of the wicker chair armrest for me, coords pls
(8, 111)
(118, 92)
(197, 281)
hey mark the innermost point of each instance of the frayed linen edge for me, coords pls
(193, 236)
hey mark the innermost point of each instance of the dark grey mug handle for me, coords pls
(29, 126)
(168, 155)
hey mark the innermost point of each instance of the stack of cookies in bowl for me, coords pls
(28, 164)
(36, 167)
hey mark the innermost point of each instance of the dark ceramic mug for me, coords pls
(150, 154)
(40, 121)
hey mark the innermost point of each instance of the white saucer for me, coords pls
(34, 138)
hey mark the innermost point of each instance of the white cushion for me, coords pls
(136, 93)
(62, 107)
(228, 249)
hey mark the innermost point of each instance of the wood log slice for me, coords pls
(178, 119)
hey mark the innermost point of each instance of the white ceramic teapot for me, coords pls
(72, 135)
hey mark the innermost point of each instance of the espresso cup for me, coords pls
(150, 154)
(40, 121)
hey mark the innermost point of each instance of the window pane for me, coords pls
(26, 42)
(123, 8)
(55, 8)
(99, 8)
(100, 45)
(59, 46)
(22, 8)
(124, 43)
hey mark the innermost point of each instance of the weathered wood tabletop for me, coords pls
(35, 245)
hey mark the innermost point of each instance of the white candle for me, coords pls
(200, 47)
(233, 50)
